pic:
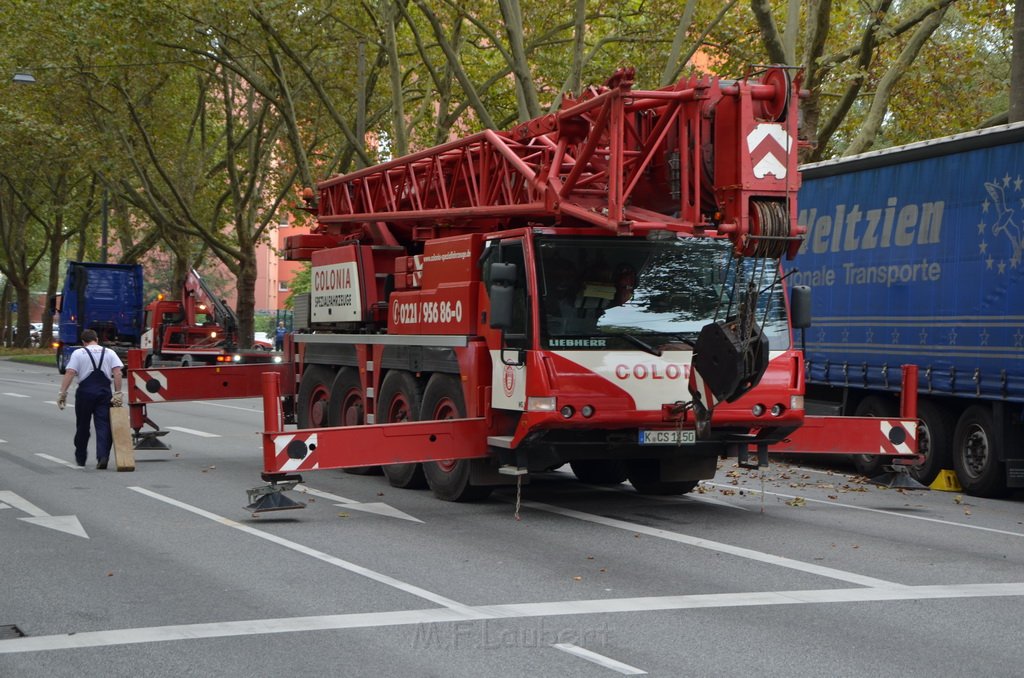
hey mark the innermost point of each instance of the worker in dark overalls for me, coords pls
(96, 368)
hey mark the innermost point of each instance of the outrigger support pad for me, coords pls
(898, 476)
(150, 440)
(271, 497)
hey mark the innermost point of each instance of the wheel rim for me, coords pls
(446, 409)
(398, 409)
(352, 409)
(976, 451)
(318, 406)
(924, 447)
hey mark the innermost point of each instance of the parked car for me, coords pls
(263, 341)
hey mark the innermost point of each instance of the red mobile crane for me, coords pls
(599, 287)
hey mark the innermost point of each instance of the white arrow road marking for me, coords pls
(377, 507)
(599, 659)
(16, 395)
(2, 441)
(192, 431)
(40, 517)
(447, 615)
(62, 462)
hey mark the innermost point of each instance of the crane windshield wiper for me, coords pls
(640, 343)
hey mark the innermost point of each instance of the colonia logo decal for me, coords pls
(640, 371)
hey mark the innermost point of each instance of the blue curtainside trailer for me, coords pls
(915, 256)
(106, 298)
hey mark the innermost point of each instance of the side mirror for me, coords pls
(502, 293)
(800, 306)
(504, 274)
(502, 297)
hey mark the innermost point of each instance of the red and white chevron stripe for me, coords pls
(909, 446)
(417, 270)
(284, 463)
(141, 380)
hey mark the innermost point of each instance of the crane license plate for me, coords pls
(673, 437)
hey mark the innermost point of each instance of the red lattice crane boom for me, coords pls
(703, 157)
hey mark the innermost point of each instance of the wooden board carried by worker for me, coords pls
(124, 451)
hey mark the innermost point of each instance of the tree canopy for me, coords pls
(189, 127)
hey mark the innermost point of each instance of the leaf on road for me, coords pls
(797, 502)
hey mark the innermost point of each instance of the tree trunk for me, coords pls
(880, 103)
(246, 301)
(1017, 65)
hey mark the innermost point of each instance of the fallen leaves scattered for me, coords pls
(797, 502)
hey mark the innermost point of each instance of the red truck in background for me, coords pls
(598, 287)
(197, 328)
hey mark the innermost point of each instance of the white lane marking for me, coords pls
(681, 499)
(3, 506)
(875, 510)
(265, 625)
(709, 500)
(192, 431)
(2, 441)
(319, 555)
(51, 402)
(234, 407)
(599, 659)
(17, 395)
(380, 508)
(837, 474)
(22, 381)
(62, 462)
(700, 542)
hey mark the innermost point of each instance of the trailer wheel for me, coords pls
(599, 471)
(934, 441)
(974, 456)
(347, 407)
(873, 406)
(62, 360)
(400, 399)
(314, 393)
(450, 479)
(645, 477)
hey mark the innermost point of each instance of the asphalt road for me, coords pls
(162, 572)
